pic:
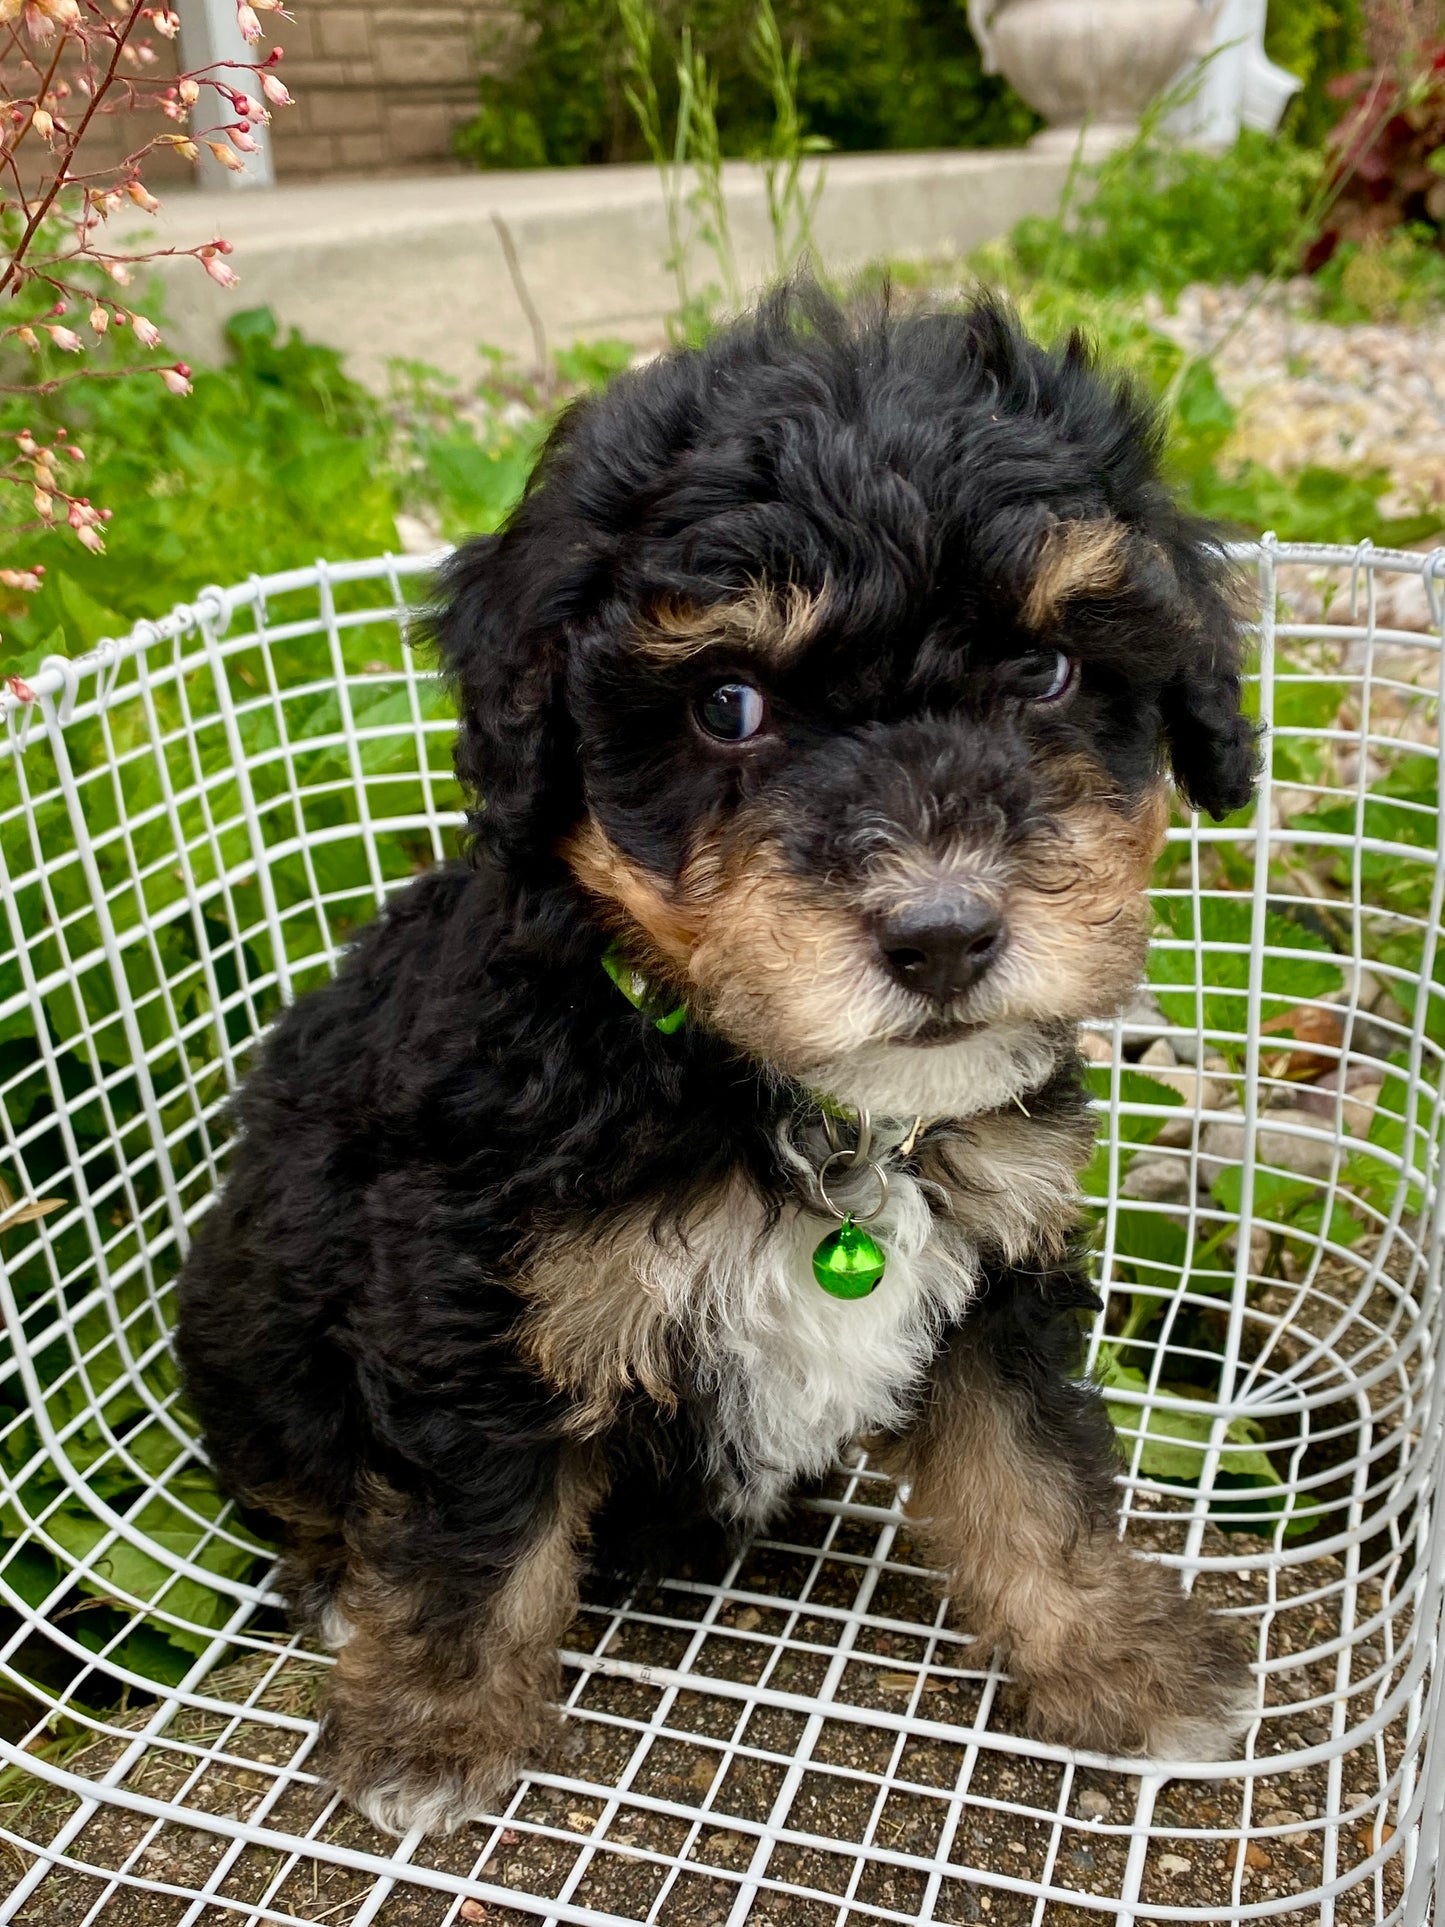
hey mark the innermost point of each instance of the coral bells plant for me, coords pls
(72, 73)
(1388, 152)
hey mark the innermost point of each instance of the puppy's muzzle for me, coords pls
(941, 949)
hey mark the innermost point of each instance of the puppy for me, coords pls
(815, 702)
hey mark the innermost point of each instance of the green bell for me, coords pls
(849, 1262)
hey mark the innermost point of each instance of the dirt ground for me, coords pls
(657, 1796)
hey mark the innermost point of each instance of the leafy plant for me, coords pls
(873, 74)
(278, 458)
(1387, 154)
(695, 147)
(1153, 217)
(1316, 40)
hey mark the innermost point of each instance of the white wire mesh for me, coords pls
(193, 820)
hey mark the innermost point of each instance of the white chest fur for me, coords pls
(789, 1372)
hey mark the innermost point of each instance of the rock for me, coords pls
(1256, 1857)
(1141, 1023)
(1174, 1864)
(1362, 1097)
(1094, 1805)
(418, 537)
(1200, 1093)
(1158, 1057)
(1290, 1140)
(1094, 1048)
(1158, 1181)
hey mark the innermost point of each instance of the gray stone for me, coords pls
(1158, 1181)
(1292, 1140)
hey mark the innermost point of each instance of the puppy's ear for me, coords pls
(1213, 745)
(504, 665)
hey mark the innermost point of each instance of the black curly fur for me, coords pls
(472, 1082)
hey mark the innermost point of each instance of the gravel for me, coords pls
(1362, 396)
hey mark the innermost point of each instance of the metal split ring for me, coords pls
(858, 1154)
(838, 1211)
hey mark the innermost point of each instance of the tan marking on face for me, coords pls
(443, 1718)
(785, 965)
(1077, 910)
(634, 895)
(772, 965)
(779, 967)
(1108, 1652)
(1078, 559)
(772, 623)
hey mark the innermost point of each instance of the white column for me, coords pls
(209, 35)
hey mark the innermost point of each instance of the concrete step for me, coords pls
(415, 266)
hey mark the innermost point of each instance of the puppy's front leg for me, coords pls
(1012, 1464)
(445, 1683)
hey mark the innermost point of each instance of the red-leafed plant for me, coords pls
(1387, 152)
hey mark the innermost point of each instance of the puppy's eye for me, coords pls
(1045, 676)
(732, 712)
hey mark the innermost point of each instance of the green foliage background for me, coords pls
(875, 74)
(889, 74)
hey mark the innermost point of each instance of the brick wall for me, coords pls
(379, 85)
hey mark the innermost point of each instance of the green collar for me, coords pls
(641, 992)
(643, 995)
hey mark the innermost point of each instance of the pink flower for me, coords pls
(42, 504)
(177, 379)
(247, 21)
(20, 689)
(167, 23)
(275, 90)
(146, 332)
(26, 580)
(27, 443)
(43, 123)
(75, 454)
(142, 196)
(223, 275)
(42, 17)
(227, 156)
(99, 319)
(190, 92)
(89, 538)
(66, 339)
(240, 137)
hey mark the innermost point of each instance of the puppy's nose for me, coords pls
(941, 950)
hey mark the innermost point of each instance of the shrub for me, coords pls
(1388, 155)
(1154, 217)
(1316, 40)
(874, 74)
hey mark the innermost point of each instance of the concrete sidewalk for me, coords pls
(415, 267)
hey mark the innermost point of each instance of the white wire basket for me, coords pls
(192, 823)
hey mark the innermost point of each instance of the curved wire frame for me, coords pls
(192, 822)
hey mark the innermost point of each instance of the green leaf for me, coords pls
(1299, 964)
(1175, 1442)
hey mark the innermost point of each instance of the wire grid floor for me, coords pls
(194, 819)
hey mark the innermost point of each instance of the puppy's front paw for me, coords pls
(1174, 1684)
(437, 1787)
